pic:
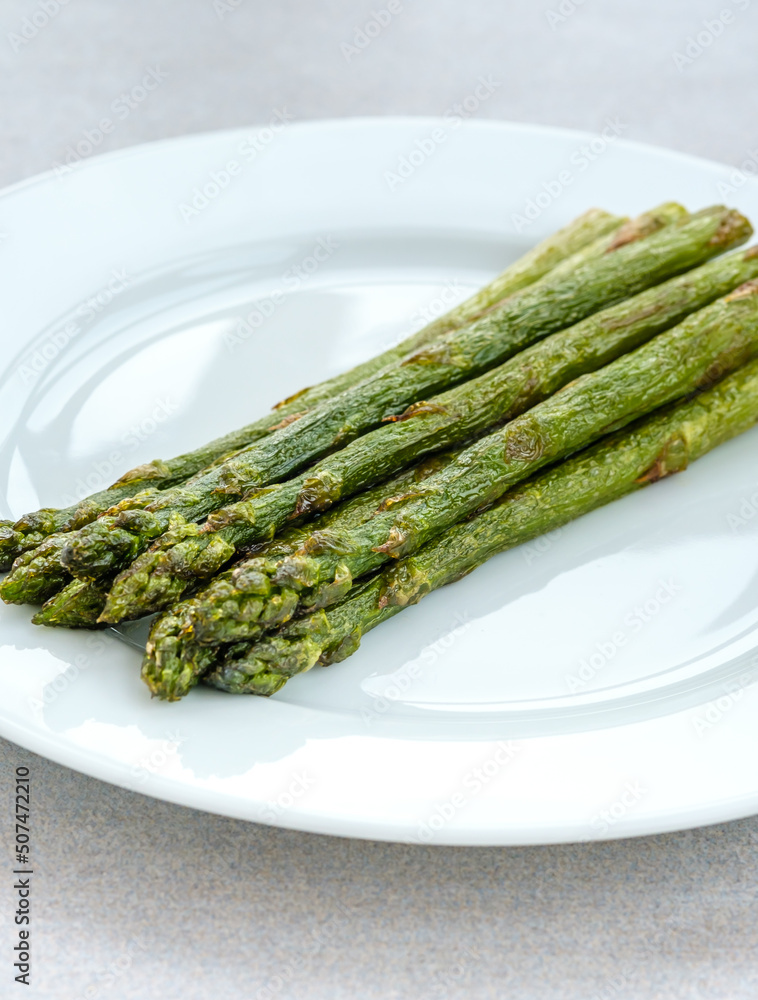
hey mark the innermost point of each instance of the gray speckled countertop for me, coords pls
(138, 898)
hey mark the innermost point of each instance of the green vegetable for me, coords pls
(36, 574)
(592, 233)
(684, 359)
(174, 663)
(656, 447)
(179, 559)
(78, 605)
(114, 540)
(102, 547)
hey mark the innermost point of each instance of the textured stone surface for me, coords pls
(181, 903)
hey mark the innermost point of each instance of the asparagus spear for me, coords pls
(78, 605)
(36, 574)
(104, 546)
(81, 602)
(174, 663)
(178, 559)
(653, 449)
(115, 539)
(592, 233)
(686, 358)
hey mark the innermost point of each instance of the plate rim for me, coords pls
(156, 145)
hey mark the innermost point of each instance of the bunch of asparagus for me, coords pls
(607, 358)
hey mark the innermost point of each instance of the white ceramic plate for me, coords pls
(598, 683)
